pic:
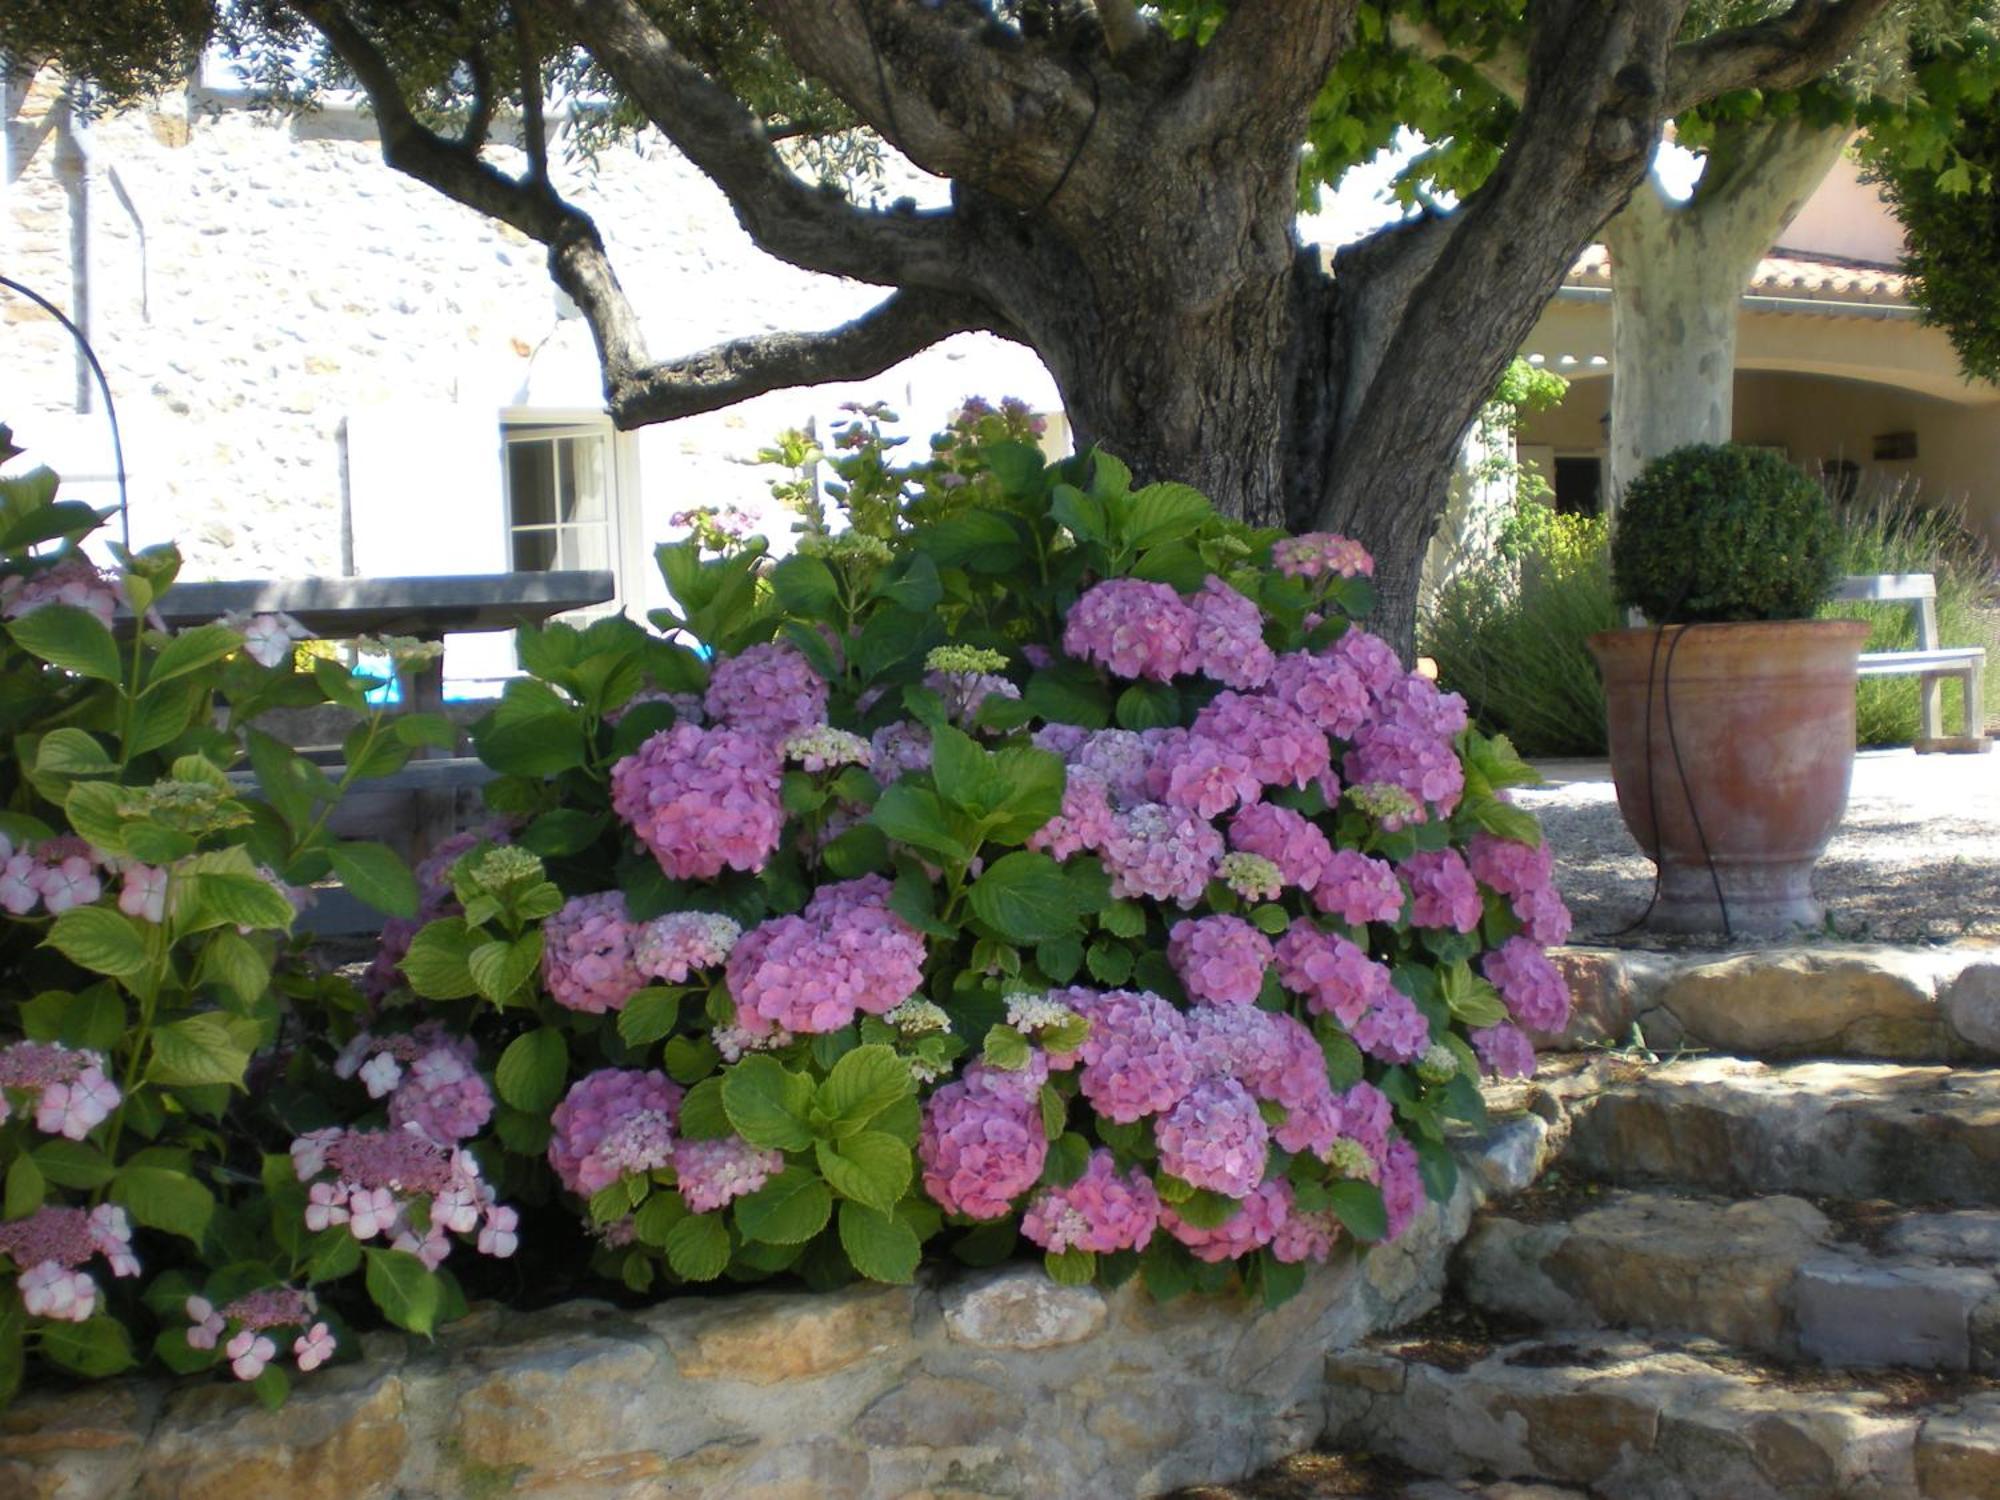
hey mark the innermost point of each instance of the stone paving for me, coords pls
(1916, 859)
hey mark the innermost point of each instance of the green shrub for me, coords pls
(1724, 532)
(1509, 632)
(1894, 533)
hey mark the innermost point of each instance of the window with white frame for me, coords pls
(562, 496)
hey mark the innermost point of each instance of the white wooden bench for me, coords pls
(1931, 663)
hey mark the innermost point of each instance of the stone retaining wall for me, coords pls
(996, 1383)
(1908, 1004)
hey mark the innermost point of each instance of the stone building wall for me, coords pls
(253, 283)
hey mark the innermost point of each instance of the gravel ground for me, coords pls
(1915, 860)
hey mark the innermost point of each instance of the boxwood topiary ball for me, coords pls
(1718, 531)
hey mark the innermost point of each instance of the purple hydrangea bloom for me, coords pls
(1505, 1050)
(1532, 986)
(1290, 840)
(1336, 978)
(846, 952)
(980, 1149)
(1228, 637)
(702, 800)
(711, 1174)
(1167, 853)
(1219, 958)
(1216, 1138)
(1136, 1060)
(1285, 747)
(1326, 689)
(613, 1121)
(587, 960)
(768, 690)
(1358, 888)
(1442, 891)
(1101, 1211)
(1132, 628)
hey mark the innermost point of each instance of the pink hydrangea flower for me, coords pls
(1420, 764)
(1366, 1117)
(1084, 823)
(680, 943)
(314, 1347)
(1288, 839)
(1203, 776)
(980, 1149)
(443, 1095)
(1359, 889)
(1326, 689)
(76, 580)
(1532, 986)
(1319, 554)
(1215, 1138)
(1414, 702)
(611, 1122)
(1228, 643)
(900, 748)
(380, 1178)
(1392, 1029)
(1543, 916)
(51, 1245)
(1285, 747)
(1305, 1237)
(1442, 891)
(1167, 853)
(845, 953)
(1121, 758)
(1402, 1188)
(1101, 1211)
(206, 1323)
(1221, 958)
(1336, 978)
(714, 1173)
(248, 1353)
(144, 893)
(20, 884)
(1132, 628)
(587, 958)
(1136, 1059)
(768, 691)
(702, 800)
(71, 1094)
(69, 882)
(1254, 1225)
(1505, 1050)
(1370, 657)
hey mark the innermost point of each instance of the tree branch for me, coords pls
(1782, 53)
(810, 227)
(534, 130)
(577, 259)
(903, 325)
(959, 95)
(1267, 63)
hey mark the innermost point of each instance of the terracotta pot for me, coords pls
(1741, 776)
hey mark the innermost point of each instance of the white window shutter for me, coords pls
(425, 497)
(424, 490)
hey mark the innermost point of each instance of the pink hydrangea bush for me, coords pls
(1123, 897)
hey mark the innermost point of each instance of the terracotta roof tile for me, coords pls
(1783, 273)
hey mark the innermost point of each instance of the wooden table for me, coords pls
(427, 608)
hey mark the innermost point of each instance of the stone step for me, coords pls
(1343, 1476)
(1771, 1275)
(1910, 1134)
(1904, 1004)
(1635, 1419)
